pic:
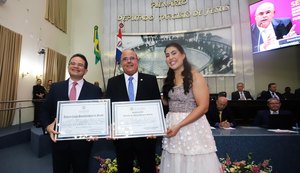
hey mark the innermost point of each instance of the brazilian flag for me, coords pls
(96, 45)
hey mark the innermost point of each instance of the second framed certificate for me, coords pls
(138, 119)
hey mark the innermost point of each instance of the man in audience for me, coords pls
(219, 115)
(263, 116)
(38, 94)
(241, 94)
(271, 93)
(49, 83)
(297, 93)
(287, 95)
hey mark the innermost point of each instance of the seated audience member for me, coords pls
(287, 95)
(271, 93)
(222, 93)
(262, 116)
(219, 115)
(241, 94)
(297, 93)
(96, 83)
(259, 96)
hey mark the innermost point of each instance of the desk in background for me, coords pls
(245, 110)
(283, 149)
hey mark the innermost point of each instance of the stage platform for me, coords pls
(282, 148)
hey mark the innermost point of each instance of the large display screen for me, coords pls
(274, 24)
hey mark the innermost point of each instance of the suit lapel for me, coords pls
(81, 94)
(65, 90)
(140, 84)
(122, 87)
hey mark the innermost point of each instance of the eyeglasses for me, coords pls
(78, 64)
(128, 59)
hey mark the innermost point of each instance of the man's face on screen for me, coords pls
(264, 14)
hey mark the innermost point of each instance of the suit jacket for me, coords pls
(62, 150)
(236, 95)
(213, 115)
(59, 92)
(297, 93)
(281, 27)
(147, 88)
(262, 117)
(38, 89)
(266, 95)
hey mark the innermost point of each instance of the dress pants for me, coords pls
(142, 149)
(73, 153)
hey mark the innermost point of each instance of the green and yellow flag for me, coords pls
(96, 46)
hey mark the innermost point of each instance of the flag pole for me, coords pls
(119, 48)
(98, 53)
(115, 68)
(102, 75)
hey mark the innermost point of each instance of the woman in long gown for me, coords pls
(189, 146)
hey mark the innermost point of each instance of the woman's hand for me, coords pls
(172, 131)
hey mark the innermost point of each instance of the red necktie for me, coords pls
(73, 91)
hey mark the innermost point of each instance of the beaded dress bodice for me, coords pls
(181, 102)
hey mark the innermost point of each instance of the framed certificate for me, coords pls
(138, 119)
(82, 119)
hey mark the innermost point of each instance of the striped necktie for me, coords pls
(242, 96)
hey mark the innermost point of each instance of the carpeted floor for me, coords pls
(20, 159)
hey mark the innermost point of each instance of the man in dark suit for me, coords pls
(145, 88)
(38, 94)
(271, 93)
(71, 153)
(262, 117)
(297, 93)
(219, 115)
(241, 94)
(267, 29)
